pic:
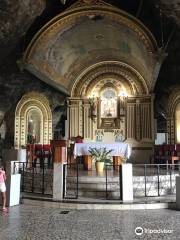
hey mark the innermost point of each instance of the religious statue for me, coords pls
(93, 108)
(99, 135)
(119, 136)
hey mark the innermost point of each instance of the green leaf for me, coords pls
(100, 154)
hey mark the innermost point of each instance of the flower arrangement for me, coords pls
(101, 155)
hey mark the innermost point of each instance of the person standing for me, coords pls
(3, 188)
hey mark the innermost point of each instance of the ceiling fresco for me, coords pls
(82, 37)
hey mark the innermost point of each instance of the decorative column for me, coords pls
(88, 120)
(170, 130)
(138, 120)
(152, 119)
(131, 127)
(79, 116)
(75, 117)
(146, 121)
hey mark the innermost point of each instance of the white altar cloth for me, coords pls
(119, 149)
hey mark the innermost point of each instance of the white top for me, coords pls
(119, 149)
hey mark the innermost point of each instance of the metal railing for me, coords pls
(153, 180)
(113, 174)
(89, 184)
(70, 181)
(149, 180)
(35, 179)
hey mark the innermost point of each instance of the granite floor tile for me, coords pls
(30, 222)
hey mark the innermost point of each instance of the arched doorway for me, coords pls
(33, 120)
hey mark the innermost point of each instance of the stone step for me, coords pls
(96, 194)
(84, 186)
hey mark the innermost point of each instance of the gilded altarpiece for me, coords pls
(133, 121)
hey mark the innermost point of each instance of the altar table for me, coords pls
(118, 150)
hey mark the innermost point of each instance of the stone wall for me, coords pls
(14, 84)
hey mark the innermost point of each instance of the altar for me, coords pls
(119, 151)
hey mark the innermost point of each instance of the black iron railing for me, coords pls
(113, 174)
(150, 180)
(70, 181)
(35, 179)
(90, 184)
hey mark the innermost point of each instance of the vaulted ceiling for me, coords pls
(89, 34)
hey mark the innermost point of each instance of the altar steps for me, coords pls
(96, 186)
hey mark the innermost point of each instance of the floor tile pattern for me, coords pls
(30, 222)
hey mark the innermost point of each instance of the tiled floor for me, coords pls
(44, 222)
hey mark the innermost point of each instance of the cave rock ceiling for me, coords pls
(17, 16)
(15, 19)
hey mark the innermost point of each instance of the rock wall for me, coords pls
(14, 84)
(15, 18)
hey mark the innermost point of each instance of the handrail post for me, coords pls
(145, 179)
(120, 182)
(23, 178)
(32, 179)
(43, 178)
(64, 174)
(14, 166)
(77, 185)
(158, 179)
(170, 175)
(106, 182)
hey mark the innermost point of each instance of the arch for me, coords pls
(173, 103)
(28, 102)
(174, 99)
(55, 55)
(112, 72)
